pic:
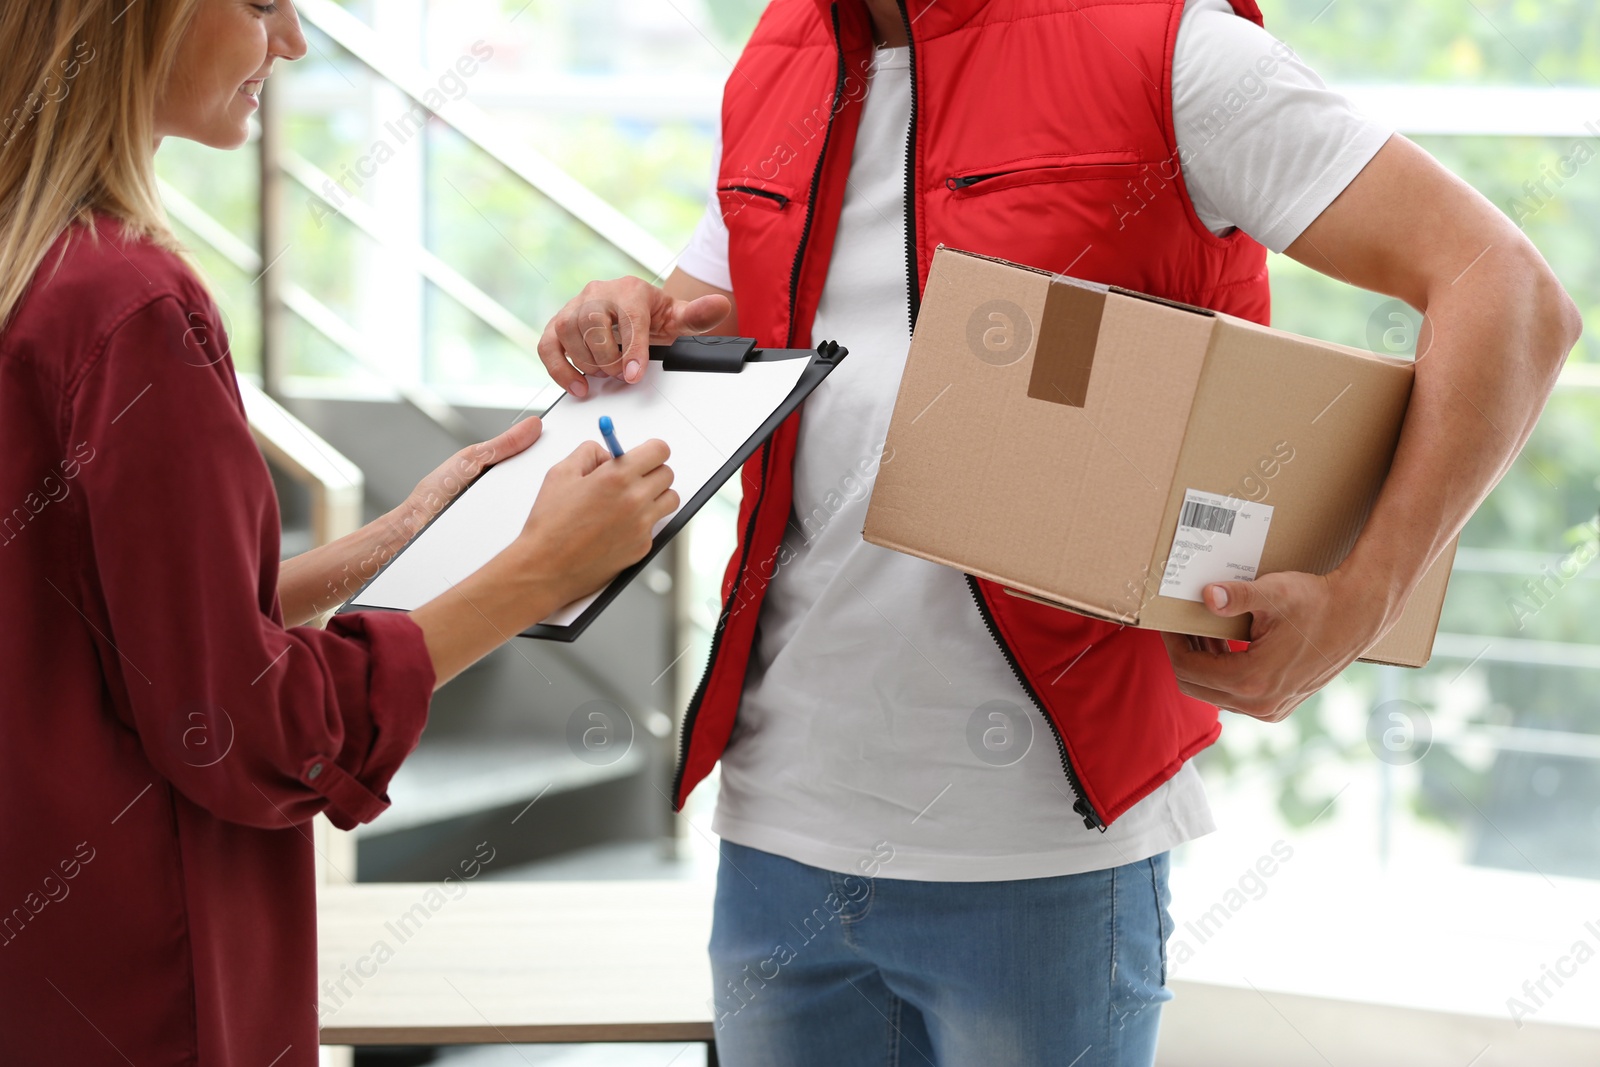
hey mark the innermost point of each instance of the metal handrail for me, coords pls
(449, 280)
(335, 483)
(528, 166)
(326, 321)
(315, 314)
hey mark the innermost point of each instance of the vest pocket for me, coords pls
(735, 197)
(983, 182)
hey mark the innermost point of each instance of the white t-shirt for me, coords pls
(877, 707)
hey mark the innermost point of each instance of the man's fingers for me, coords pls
(1218, 671)
(573, 347)
(700, 315)
(1234, 598)
(596, 338)
(682, 317)
(609, 327)
(1189, 664)
(1205, 644)
(1230, 680)
(556, 364)
(1209, 695)
(633, 331)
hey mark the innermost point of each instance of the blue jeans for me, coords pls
(817, 969)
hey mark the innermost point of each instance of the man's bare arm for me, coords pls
(1498, 327)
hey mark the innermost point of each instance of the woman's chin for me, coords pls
(227, 133)
(226, 136)
(232, 126)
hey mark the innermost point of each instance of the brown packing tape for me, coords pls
(1064, 356)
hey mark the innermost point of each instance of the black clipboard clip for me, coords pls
(728, 355)
(725, 355)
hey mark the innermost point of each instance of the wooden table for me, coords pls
(528, 962)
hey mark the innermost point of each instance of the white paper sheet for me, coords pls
(704, 417)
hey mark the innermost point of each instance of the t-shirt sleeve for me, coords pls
(257, 723)
(1265, 145)
(706, 258)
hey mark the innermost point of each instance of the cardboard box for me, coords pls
(1052, 435)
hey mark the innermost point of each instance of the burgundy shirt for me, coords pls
(164, 740)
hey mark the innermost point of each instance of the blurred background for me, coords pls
(1444, 824)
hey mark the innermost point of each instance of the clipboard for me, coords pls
(720, 397)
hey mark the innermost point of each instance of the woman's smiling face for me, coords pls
(226, 53)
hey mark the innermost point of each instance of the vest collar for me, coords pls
(932, 18)
(929, 18)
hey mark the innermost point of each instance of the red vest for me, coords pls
(1041, 132)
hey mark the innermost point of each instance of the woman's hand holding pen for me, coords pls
(594, 515)
(576, 505)
(592, 518)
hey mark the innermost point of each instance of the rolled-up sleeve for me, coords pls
(259, 724)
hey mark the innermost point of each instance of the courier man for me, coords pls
(888, 891)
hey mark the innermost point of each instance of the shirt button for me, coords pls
(316, 769)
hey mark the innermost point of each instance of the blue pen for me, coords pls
(608, 431)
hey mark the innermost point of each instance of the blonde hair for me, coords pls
(78, 92)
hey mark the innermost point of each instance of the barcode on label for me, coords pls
(1207, 517)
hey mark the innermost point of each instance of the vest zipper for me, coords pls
(913, 290)
(1048, 172)
(749, 190)
(692, 714)
(816, 180)
(1081, 805)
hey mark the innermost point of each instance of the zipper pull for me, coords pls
(1082, 808)
(961, 183)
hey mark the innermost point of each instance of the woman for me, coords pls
(165, 739)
